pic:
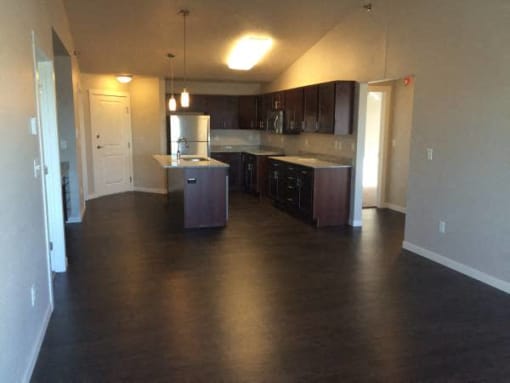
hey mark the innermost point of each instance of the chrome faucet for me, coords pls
(179, 142)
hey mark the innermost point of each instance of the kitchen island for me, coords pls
(197, 190)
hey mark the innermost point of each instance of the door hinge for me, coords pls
(127, 110)
(51, 246)
(45, 170)
(129, 145)
(130, 179)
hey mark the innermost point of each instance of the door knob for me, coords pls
(99, 147)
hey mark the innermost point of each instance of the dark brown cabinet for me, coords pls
(224, 110)
(249, 165)
(335, 107)
(248, 112)
(320, 195)
(205, 197)
(293, 107)
(310, 108)
(235, 171)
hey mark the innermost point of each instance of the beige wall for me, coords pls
(458, 52)
(147, 122)
(22, 237)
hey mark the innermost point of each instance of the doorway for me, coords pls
(110, 122)
(49, 162)
(377, 121)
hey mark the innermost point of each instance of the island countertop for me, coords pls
(314, 163)
(187, 161)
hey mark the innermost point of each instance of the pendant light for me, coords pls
(184, 94)
(172, 103)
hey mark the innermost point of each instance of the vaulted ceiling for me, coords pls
(134, 36)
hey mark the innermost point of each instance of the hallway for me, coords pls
(267, 299)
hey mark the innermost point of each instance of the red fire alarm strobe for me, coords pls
(407, 80)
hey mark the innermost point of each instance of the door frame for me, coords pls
(47, 123)
(130, 137)
(386, 90)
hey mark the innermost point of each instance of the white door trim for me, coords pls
(130, 136)
(50, 155)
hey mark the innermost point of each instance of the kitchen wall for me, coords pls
(235, 137)
(22, 238)
(457, 52)
(325, 144)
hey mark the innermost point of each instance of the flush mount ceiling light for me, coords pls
(248, 51)
(184, 93)
(124, 78)
(172, 103)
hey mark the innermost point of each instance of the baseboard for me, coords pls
(37, 346)
(459, 267)
(392, 206)
(356, 223)
(150, 190)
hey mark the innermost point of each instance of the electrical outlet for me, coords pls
(63, 144)
(33, 295)
(430, 154)
(306, 142)
(339, 146)
(442, 227)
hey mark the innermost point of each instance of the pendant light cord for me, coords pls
(185, 13)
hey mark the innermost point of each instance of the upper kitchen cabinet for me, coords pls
(293, 107)
(335, 107)
(224, 110)
(310, 108)
(248, 112)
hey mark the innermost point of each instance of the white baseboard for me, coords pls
(37, 346)
(150, 190)
(459, 267)
(356, 223)
(73, 220)
(392, 206)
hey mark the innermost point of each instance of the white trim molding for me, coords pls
(392, 206)
(37, 346)
(459, 267)
(150, 190)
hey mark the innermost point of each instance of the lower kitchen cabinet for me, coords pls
(235, 171)
(320, 195)
(255, 169)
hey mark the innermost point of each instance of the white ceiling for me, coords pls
(134, 36)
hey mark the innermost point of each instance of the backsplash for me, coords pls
(235, 137)
(326, 144)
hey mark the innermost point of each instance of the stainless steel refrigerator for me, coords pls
(189, 134)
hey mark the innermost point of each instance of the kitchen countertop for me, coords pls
(311, 162)
(255, 150)
(169, 162)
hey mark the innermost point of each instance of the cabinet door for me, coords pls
(293, 111)
(326, 115)
(291, 192)
(248, 112)
(249, 173)
(274, 179)
(305, 184)
(205, 197)
(231, 112)
(234, 170)
(344, 106)
(310, 106)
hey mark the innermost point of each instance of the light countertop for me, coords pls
(311, 162)
(250, 149)
(169, 162)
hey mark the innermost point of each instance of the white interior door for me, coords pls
(111, 142)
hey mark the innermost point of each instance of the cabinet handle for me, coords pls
(192, 180)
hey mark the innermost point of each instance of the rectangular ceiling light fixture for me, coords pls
(248, 51)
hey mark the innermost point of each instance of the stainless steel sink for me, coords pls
(194, 159)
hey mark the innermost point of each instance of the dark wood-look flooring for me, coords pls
(267, 299)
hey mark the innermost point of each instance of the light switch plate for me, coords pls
(430, 154)
(33, 126)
